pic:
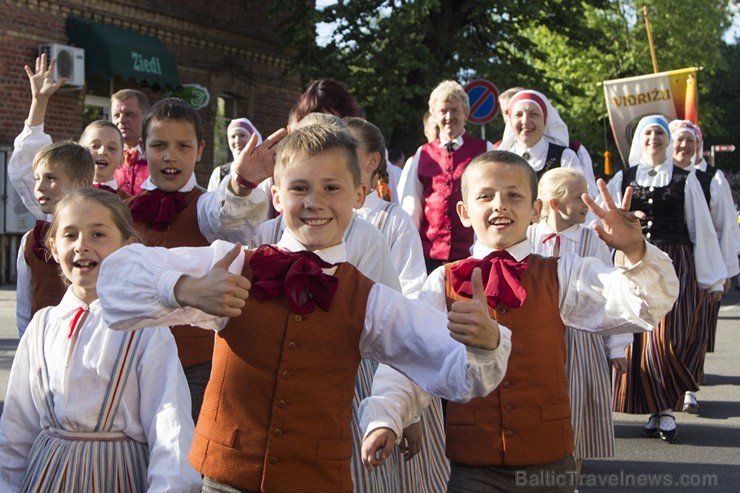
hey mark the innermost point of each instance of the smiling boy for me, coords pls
(524, 425)
(277, 410)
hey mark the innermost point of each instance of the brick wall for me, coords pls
(225, 46)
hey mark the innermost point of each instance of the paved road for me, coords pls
(706, 456)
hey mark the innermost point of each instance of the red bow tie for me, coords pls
(39, 248)
(298, 275)
(502, 276)
(157, 208)
(101, 186)
(130, 157)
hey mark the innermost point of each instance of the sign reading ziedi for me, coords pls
(148, 65)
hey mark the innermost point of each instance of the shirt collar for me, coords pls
(332, 255)
(70, 303)
(189, 186)
(110, 183)
(702, 165)
(372, 200)
(663, 168)
(458, 141)
(520, 251)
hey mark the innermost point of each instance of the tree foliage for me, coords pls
(393, 53)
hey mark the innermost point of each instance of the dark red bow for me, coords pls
(157, 208)
(298, 275)
(39, 248)
(101, 186)
(502, 276)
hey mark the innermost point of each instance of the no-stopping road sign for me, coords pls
(483, 96)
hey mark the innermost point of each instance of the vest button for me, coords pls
(649, 223)
(650, 201)
(298, 318)
(652, 189)
(291, 345)
(449, 169)
(286, 375)
(648, 235)
(501, 309)
(274, 460)
(507, 384)
(509, 433)
(282, 404)
(509, 408)
(278, 432)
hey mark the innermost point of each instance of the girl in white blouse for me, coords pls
(87, 408)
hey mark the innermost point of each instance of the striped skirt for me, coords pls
(427, 472)
(589, 387)
(656, 376)
(711, 316)
(63, 461)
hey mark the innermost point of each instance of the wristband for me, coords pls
(245, 183)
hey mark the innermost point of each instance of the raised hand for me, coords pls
(42, 88)
(621, 228)
(468, 320)
(219, 292)
(377, 447)
(256, 163)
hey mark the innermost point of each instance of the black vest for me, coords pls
(552, 161)
(663, 206)
(705, 180)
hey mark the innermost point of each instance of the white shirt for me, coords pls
(394, 176)
(569, 159)
(710, 274)
(402, 239)
(404, 333)
(110, 183)
(593, 297)
(365, 248)
(154, 407)
(410, 188)
(20, 166)
(724, 219)
(570, 242)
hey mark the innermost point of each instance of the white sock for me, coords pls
(653, 422)
(667, 423)
(689, 397)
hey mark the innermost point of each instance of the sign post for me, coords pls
(484, 107)
(721, 148)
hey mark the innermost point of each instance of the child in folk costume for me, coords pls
(429, 471)
(685, 138)
(87, 408)
(561, 231)
(678, 222)
(724, 218)
(277, 411)
(524, 425)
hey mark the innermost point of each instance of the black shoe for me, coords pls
(649, 431)
(668, 435)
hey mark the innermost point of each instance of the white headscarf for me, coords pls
(246, 125)
(555, 128)
(636, 151)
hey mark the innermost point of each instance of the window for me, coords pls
(96, 108)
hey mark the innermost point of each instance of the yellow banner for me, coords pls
(672, 94)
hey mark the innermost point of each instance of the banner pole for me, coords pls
(650, 38)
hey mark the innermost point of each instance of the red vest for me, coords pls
(130, 178)
(47, 286)
(194, 345)
(443, 237)
(526, 420)
(277, 410)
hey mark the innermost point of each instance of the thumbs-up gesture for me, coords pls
(218, 292)
(469, 322)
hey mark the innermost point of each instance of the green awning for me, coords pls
(111, 50)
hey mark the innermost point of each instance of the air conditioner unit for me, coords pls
(70, 63)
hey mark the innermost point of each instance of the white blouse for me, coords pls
(154, 407)
(136, 290)
(710, 274)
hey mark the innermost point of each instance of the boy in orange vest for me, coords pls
(519, 437)
(293, 321)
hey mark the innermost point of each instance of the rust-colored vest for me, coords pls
(443, 237)
(526, 420)
(277, 411)
(194, 345)
(47, 287)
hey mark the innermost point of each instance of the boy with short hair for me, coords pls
(57, 169)
(277, 411)
(523, 427)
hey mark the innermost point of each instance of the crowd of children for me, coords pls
(306, 326)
